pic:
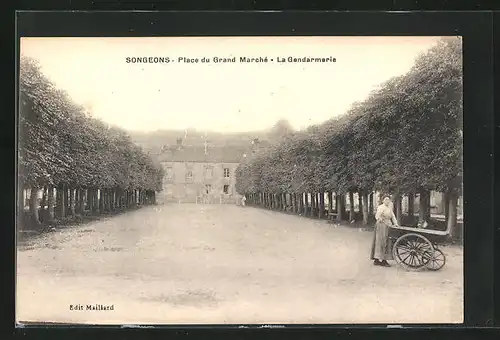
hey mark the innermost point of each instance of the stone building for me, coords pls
(195, 174)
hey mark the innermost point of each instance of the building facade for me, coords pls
(200, 173)
(199, 182)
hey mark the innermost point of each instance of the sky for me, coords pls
(224, 97)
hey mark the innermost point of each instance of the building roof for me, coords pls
(197, 154)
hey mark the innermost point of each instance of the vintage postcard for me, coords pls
(240, 180)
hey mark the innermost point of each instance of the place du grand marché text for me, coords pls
(222, 60)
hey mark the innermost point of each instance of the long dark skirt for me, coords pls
(381, 245)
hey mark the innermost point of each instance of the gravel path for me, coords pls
(225, 264)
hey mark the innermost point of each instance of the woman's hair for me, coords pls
(383, 197)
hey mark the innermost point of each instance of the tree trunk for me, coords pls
(452, 215)
(314, 198)
(34, 206)
(69, 208)
(306, 204)
(95, 201)
(446, 202)
(411, 204)
(341, 207)
(370, 203)
(364, 207)
(321, 204)
(101, 200)
(316, 204)
(360, 202)
(81, 203)
(50, 203)
(58, 201)
(65, 194)
(43, 203)
(72, 202)
(118, 198)
(424, 203)
(20, 203)
(78, 201)
(428, 205)
(88, 204)
(61, 203)
(398, 206)
(105, 200)
(330, 202)
(351, 206)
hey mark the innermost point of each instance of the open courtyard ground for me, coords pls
(187, 263)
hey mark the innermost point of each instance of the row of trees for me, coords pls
(79, 163)
(404, 139)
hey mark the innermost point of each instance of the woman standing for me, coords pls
(380, 248)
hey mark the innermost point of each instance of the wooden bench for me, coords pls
(331, 215)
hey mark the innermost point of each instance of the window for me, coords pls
(226, 172)
(189, 174)
(208, 188)
(226, 189)
(169, 174)
(209, 172)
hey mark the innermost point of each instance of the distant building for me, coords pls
(195, 174)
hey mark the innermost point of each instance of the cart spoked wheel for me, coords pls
(437, 260)
(412, 251)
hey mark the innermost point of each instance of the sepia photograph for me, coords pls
(240, 180)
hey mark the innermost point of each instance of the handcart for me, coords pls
(415, 248)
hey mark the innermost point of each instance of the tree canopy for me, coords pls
(60, 143)
(406, 136)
